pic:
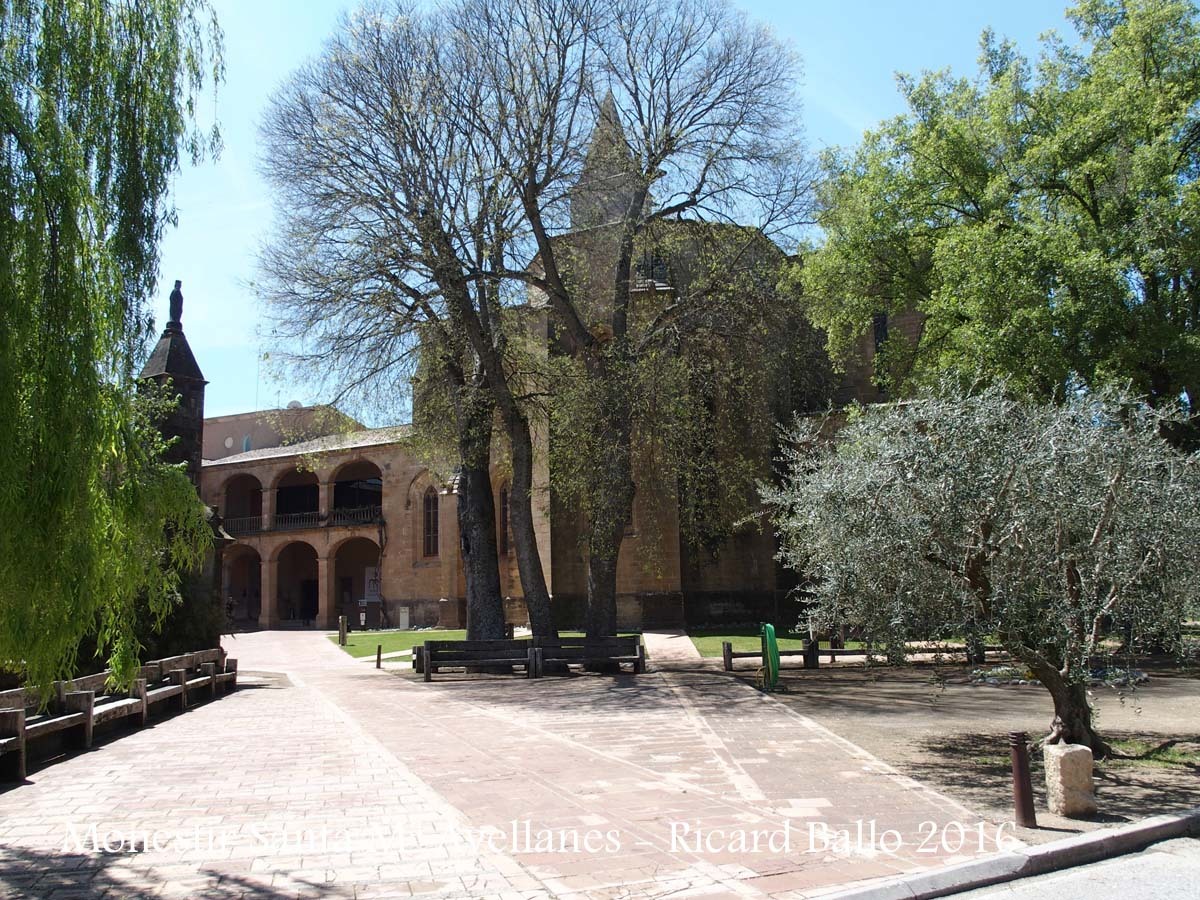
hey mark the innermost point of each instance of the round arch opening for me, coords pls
(358, 583)
(297, 500)
(242, 506)
(357, 494)
(243, 584)
(298, 594)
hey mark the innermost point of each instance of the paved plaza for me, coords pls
(324, 777)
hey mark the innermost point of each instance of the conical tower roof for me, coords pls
(172, 356)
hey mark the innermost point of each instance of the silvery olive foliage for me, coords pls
(1066, 530)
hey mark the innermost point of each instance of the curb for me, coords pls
(1011, 865)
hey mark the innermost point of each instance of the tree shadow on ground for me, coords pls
(976, 770)
(32, 873)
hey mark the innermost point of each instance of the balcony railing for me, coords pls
(243, 524)
(285, 521)
(359, 515)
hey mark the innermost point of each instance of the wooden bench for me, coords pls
(80, 704)
(594, 651)
(438, 655)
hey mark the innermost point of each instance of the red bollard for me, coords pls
(1018, 742)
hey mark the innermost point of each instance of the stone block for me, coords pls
(1069, 789)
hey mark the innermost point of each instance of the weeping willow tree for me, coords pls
(97, 105)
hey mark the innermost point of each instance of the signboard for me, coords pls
(371, 592)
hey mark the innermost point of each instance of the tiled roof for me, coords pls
(369, 437)
(172, 356)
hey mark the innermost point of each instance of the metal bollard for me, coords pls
(342, 631)
(1018, 742)
(379, 656)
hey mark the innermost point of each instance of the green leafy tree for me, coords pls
(96, 105)
(1053, 526)
(1043, 217)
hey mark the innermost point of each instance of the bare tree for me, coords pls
(606, 119)
(440, 167)
(384, 216)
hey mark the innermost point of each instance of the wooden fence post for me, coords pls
(342, 631)
(82, 702)
(812, 654)
(210, 669)
(727, 655)
(12, 762)
(179, 677)
(139, 693)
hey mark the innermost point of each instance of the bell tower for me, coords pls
(173, 365)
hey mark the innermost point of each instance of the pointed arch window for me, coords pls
(429, 522)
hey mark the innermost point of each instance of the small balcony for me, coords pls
(289, 521)
(243, 525)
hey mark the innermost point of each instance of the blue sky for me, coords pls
(851, 51)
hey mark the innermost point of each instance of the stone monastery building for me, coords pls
(329, 518)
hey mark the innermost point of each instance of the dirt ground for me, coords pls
(933, 724)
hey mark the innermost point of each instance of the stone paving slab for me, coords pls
(326, 778)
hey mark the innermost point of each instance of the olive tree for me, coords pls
(1052, 526)
(386, 215)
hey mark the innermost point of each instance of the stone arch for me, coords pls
(297, 592)
(242, 503)
(241, 583)
(357, 581)
(297, 499)
(357, 493)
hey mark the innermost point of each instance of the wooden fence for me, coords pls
(77, 706)
(812, 653)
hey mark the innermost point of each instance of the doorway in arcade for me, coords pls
(297, 595)
(358, 584)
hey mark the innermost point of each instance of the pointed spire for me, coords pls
(609, 175)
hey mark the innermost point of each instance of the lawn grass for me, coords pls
(747, 640)
(1159, 753)
(363, 643)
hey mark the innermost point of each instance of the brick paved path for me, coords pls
(325, 778)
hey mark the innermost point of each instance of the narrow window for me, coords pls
(504, 521)
(430, 518)
(879, 323)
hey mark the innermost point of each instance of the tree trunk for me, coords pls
(1072, 723)
(520, 513)
(611, 513)
(602, 595)
(477, 536)
(612, 507)
(1073, 718)
(474, 411)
